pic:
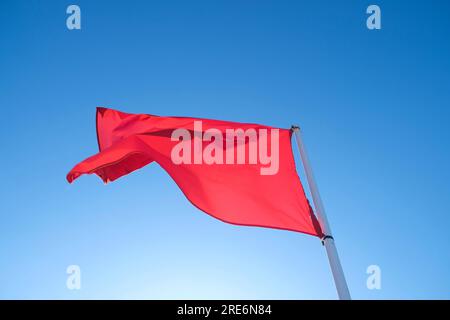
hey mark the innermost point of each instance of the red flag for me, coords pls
(239, 173)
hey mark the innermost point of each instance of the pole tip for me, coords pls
(295, 127)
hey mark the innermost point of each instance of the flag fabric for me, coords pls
(239, 173)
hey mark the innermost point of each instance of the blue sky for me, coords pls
(373, 105)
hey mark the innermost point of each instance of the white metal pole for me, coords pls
(328, 241)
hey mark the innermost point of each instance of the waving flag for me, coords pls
(239, 173)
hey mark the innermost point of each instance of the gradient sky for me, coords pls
(373, 105)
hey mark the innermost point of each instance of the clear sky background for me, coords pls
(373, 105)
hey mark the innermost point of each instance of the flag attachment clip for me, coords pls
(325, 237)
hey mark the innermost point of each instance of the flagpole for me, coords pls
(327, 240)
